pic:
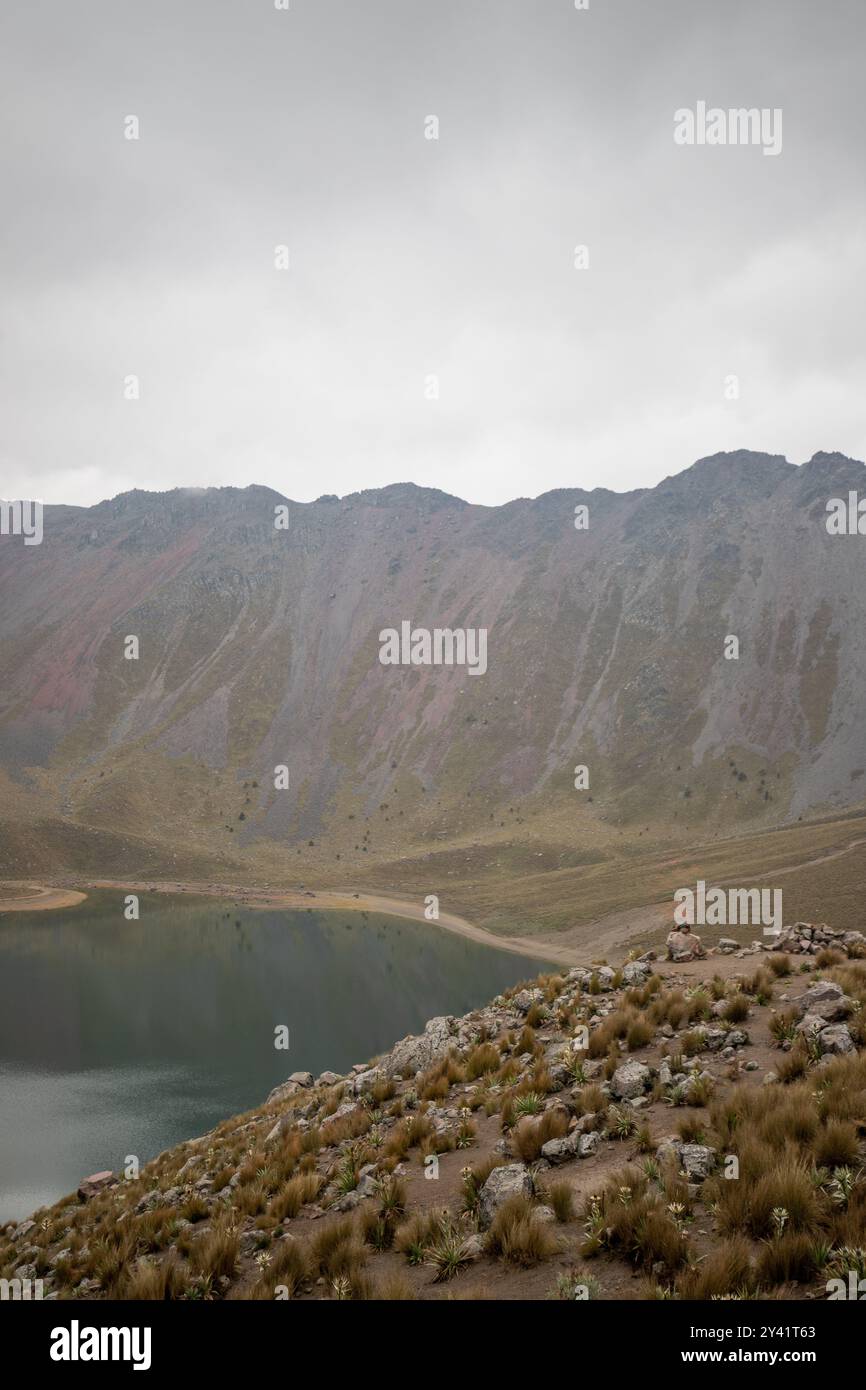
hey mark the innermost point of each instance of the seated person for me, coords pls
(684, 945)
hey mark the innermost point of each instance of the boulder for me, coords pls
(414, 1054)
(588, 1143)
(669, 1150)
(524, 1001)
(826, 999)
(811, 1024)
(510, 1180)
(365, 1080)
(97, 1182)
(629, 1080)
(836, 1038)
(585, 1124)
(697, 1161)
(636, 972)
(561, 1150)
(283, 1091)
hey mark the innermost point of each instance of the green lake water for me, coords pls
(122, 1038)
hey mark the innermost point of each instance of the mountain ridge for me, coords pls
(259, 648)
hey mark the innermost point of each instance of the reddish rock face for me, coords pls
(97, 1182)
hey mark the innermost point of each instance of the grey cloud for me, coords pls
(412, 257)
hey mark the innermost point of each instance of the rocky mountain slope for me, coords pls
(259, 647)
(690, 1130)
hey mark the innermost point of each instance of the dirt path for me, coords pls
(809, 863)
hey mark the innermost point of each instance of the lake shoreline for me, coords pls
(47, 897)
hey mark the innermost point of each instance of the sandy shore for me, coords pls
(34, 897)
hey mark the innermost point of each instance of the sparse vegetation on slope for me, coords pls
(709, 1143)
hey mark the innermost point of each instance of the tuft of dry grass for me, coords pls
(413, 1237)
(726, 1270)
(303, 1188)
(836, 1145)
(640, 1034)
(530, 1135)
(791, 1257)
(336, 1251)
(736, 1009)
(151, 1280)
(560, 1196)
(518, 1236)
(215, 1253)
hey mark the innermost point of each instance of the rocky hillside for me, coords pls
(259, 647)
(688, 1130)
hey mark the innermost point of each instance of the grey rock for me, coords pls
(836, 1038)
(524, 1001)
(366, 1080)
(811, 1024)
(630, 1080)
(414, 1054)
(561, 1150)
(669, 1150)
(636, 972)
(511, 1180)
(698, 1161)
(826, 999)
(283, 1091)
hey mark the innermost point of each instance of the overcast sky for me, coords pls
(412, 257)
